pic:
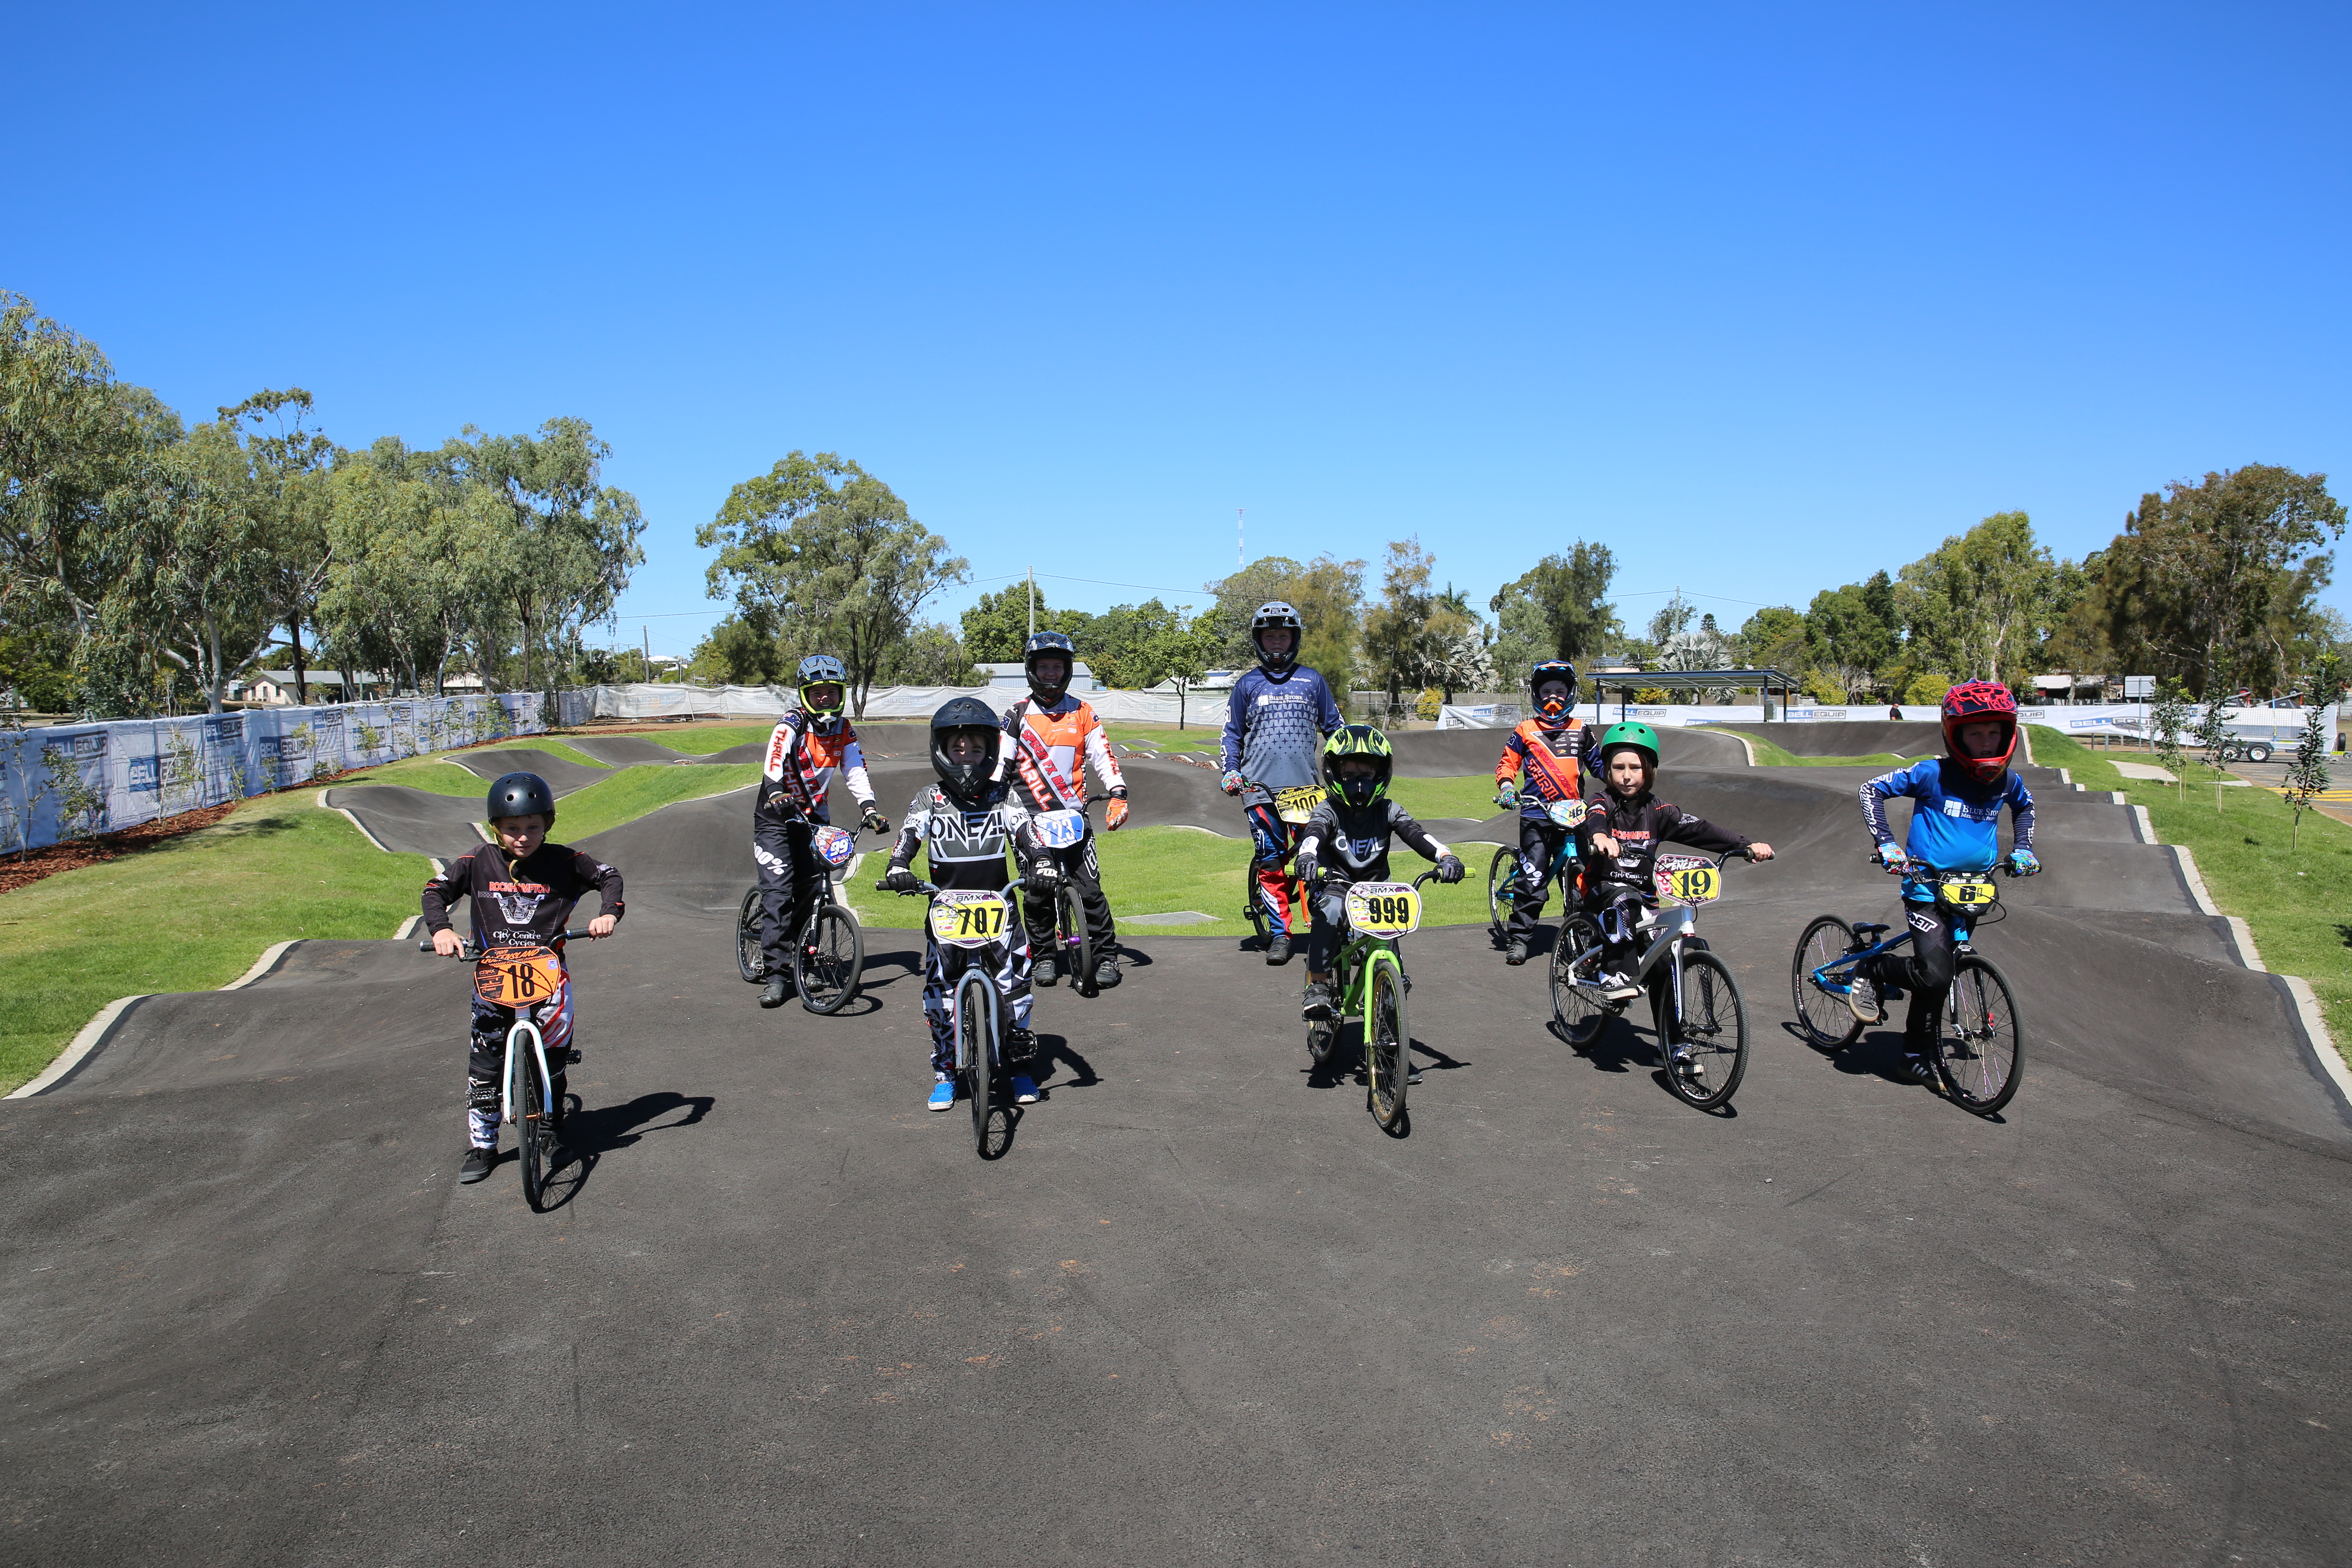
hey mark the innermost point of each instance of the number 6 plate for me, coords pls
(964, 917)
(1970, 895)
(1384, 908)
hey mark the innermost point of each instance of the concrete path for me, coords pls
(1202, 1310)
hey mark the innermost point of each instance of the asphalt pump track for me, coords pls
(1201, 1310)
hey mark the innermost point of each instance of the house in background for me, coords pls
(276, 687)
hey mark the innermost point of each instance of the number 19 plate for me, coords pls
(964, 917)
(1384, 908)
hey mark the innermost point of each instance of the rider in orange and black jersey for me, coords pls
(788, 806)
(1050, 737)
(1552, 750)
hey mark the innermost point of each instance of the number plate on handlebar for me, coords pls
(518, 976)
(1298, 803)
(1061, 829)
(1567, 813)
(1688, 879)
(1971, 895)
(1384, 908)
(966, 918)
(835, 847)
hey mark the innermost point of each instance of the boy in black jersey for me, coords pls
(1620, 841)
(1347, 841)
(523, 890)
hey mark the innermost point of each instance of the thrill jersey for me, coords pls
(800, 766)
(1044, 746)
(1274, 727)
(520, 903)
(1551, 755)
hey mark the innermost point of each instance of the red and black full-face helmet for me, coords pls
(1980, 702)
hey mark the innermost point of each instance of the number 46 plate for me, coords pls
(1384, 908)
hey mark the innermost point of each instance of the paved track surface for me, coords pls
(1860, 738)
(562, 775)
(1202, 1310)
(623, 750)
(413, 821)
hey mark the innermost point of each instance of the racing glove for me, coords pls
(1045, 877)
(2024, 863)
(900, 879)
(874, 820)
(1891, 855)
(1509, 796)
(1232, 783)
(1305, 869)
(1115, 814)
(1449, 868)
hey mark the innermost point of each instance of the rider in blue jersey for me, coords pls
(1274, 728)
(1955, 827)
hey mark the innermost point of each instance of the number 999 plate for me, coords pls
(1384, 908)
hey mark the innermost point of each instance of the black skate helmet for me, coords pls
(521, 794)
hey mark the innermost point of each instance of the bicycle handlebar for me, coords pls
(467, 948)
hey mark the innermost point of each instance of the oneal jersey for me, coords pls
(1274, 731)
(800, 766)
(1043, 748)
(1955, 819)
(520, 903)
(966, 843)
(1350, 844)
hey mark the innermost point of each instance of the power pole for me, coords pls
(1241, 554)
(648, 632)
(1032, 605)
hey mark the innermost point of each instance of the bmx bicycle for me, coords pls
(1980, 1058)
(515, 980)
(1507, 879)
(829, 959)
(971, 924)
(1368, 986)
(1073, 943)
(1294, 804)
(1700, 1017)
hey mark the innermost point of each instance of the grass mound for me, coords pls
(1769, 755)
(631, 793)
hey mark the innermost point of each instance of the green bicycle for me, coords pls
(1370, 986)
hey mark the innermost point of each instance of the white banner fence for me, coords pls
(581, 705)
(74, 780)
(2126, 718)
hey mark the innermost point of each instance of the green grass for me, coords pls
(2298, 901)
(1196, 736)
(1471, 796)
(551, 746)
(419, 773)
(1156, 870)
(1769, 755)
(702, 739)
(631, 793)
(189, 914)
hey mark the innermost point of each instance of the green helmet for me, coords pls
(1641, 737)
(1357, 741)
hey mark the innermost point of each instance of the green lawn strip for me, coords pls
(1769, 755)
(702, 739)
(418, 772)
(1158, 871)
(2295, 902)
(1471, 796)
(551, 745)
(189, 914)
(631, 793)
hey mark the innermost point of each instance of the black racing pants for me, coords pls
(792, 880)
(1077, 863)
(1928, 971)
(1540, 843)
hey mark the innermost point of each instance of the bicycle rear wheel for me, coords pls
(829, 968)
(1714, 1025)
(975, 1003)
(1828, 1023)
(1073, 941)
(1388, 1041)
(1502, 881)
(534, 1132)
(749, 961)
(1581, 1013)
(1980, 1049)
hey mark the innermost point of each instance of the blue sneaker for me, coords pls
(943, 1094)
(1024, 1090)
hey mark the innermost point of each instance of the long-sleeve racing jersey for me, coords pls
(1641, 824)
(520, 903)
(1348, 844)
(1549, 755)
(1043, 750)
(1955, 819)
(967, 843)
(799, 770)
(1274, 727)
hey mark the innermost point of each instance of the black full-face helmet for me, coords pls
(1275, 613)
(1542, 675)
(819, 670)
(520, 795)
(1049, 645)
(967, 781)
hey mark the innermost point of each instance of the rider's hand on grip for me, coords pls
(1891, 855)
(1115, 814)
(1305, 869)
(875, 821)
(1508, 796)
(1232, 783)
(448, 943)
(1449, 868)
(2024, 863)
(900, 879)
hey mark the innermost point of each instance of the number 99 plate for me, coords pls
(1384, 908)
(965, 918)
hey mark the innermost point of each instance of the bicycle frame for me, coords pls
(1673, 929)
(1836, 977)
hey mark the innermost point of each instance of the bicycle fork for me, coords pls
(511, 1089)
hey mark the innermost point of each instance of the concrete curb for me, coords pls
(354, 821)
(93, 1035)
(262, 965)
(2314, 1028)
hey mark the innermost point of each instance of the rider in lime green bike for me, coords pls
(1345, 840)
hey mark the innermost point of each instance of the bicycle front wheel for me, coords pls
(534, 1130)
(1074, 942)
(1388, 1042)
(749, 961)
(1502, 882)
(1828, 1024)
(830, 967)
(975, 1049)
(1581, 1013)
(1980, 1049)
(1712, 1033)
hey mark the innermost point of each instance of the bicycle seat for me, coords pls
(1868, 929)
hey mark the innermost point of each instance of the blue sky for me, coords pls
(1764, 299)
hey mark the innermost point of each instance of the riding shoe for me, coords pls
(1315, 1005)
(775, 992)
(1045, 972)
(479, 1163)
(1686, 1064)
(1277, 950)
(1517, 953)
(942, 1091)
(1862, 995)
(1107, 972)
(1024, 1090)
(1620, 987)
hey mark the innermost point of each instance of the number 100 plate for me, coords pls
(964, 917)
(1384, 908)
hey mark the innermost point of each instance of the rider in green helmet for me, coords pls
(1620, 841)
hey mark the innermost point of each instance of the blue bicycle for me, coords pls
(1507, 875)
(1979, 1047)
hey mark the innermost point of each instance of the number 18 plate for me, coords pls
(1384, 908)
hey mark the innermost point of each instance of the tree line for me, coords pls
(145, 563)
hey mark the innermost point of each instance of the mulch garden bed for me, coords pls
(17, 871)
